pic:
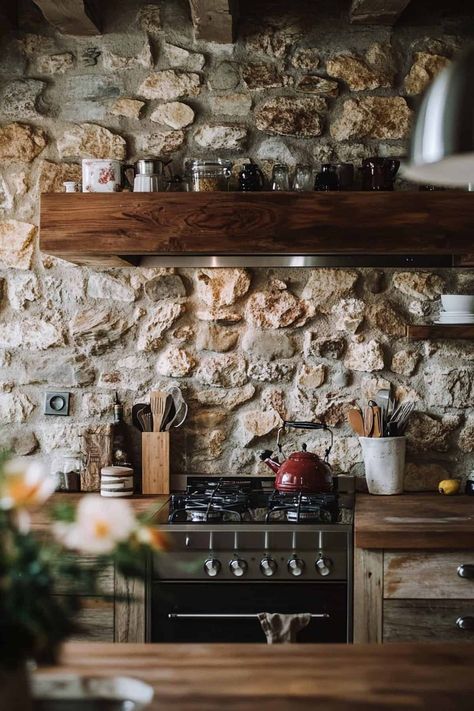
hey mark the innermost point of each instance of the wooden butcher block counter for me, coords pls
(414, 521)
(414, 568)
(327, 677)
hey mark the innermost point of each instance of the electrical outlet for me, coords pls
(57, 403)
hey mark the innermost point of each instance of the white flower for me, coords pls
(100, 524)
(24, 485)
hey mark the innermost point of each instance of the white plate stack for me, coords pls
(457, 309)
(116, 482)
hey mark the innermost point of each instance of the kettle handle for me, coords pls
(306, 426)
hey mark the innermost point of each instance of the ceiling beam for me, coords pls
(214, 20)
(70, 17)
(377, 12)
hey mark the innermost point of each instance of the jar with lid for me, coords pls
(208, 176)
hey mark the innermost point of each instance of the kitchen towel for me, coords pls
(282, 629)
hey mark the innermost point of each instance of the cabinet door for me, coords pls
(96, 620)
(426, 620)
(428, 575)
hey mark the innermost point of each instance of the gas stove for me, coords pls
(239, 547)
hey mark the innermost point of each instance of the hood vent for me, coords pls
(415, 261)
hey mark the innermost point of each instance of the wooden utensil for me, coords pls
(378, 425)
(356, 421)
(368, 421)
(158, 407)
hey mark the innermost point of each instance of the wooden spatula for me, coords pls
(356, 421)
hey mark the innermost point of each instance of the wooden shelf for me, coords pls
(109, 228)
(438, 331)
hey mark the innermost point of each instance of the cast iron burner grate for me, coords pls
(303, 508)
(226, 500)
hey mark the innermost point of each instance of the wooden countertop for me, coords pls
(41, 520)
(424, 521)
(330, 677)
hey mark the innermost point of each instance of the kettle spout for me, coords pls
(274, 464)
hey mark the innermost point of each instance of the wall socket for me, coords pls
(57, 403)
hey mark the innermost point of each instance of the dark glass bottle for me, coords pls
(327, 179)
(120, 455)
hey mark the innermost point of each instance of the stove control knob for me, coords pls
(238, 567)
(323, 566)
(268, 566)
(212, 567)
(296, 566)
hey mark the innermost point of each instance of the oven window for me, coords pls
(189, 612)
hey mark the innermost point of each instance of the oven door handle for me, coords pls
(227, 616)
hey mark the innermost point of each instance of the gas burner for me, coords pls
(252, 500)
(303, 508)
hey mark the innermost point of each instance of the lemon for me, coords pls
(449, 486)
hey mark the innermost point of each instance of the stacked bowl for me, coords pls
(457, 309)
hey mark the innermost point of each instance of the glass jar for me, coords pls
(327, 179)
(73, 466)
(208, 176)
(280, 177)
(470, 484)
(303, 180)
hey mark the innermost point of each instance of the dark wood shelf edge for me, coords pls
(94, 227)
(439, 331)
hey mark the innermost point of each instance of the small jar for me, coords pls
(303, 180)
(208, 176)
(73, 466)
(327, 179)
(280, 178)
(470, 484)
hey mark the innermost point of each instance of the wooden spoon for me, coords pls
(356, 421)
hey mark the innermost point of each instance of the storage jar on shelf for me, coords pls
(207, 176)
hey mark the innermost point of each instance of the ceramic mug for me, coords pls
(101, 176)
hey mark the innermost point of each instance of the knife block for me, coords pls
(155, 462)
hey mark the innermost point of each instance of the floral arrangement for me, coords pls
(34, 619)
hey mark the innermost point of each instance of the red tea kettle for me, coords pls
(302, 471)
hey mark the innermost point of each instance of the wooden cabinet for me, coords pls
(413, 595)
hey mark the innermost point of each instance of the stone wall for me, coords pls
(248, 346)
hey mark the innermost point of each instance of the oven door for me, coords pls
(227, 612)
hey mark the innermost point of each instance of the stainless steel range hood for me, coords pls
(295, 260)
